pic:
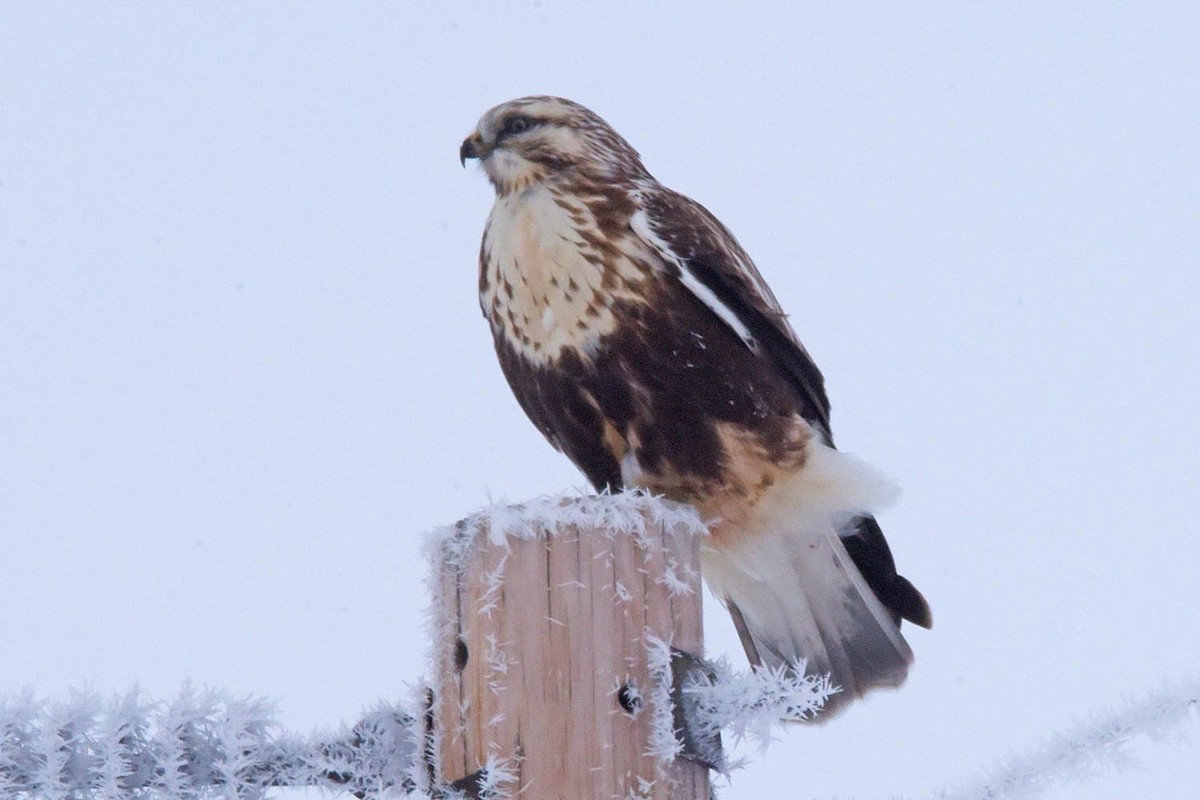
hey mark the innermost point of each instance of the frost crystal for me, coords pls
(1087, 749)
(624, 513)
(498, 779)
(202, 744)
(749, 704)
(679, 579)
(664, 744)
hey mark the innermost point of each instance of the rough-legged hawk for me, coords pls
(641, 340)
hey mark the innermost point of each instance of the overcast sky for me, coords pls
(242, 365)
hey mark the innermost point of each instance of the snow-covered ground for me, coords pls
(242, 367)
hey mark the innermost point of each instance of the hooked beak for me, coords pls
(473, 147)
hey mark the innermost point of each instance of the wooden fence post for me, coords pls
(543, 616)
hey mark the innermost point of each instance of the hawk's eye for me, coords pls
(515, 125)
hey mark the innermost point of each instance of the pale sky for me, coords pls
(242, 365)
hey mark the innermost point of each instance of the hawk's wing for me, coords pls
(716, 268)
(719, 272)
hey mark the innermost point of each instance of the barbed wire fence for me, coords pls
(1102, 744)
(199, 744)
(205, 744)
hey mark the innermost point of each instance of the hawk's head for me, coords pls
(525, 142)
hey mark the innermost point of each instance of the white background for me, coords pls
(242, 366)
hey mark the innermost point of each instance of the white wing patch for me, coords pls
(720, 309)
(640, 224)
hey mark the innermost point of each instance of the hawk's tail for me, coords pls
(794, 591)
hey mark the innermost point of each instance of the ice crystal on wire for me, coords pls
(749, 704)
(202, 744)
(1087, 749)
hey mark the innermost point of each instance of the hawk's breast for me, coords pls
(552, 272)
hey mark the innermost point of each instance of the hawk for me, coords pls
(640, 339)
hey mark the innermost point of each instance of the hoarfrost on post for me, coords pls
(629, 697)
(679, 579)
(620, 513)
(621, 594)
(498, 779)
(474, 558)
(494, 579)
(424, 743)
(643, 789)
(664, 745)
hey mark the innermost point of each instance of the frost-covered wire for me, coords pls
(1099, 744)
(692, 701)
(748, 704)
(201, 744)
